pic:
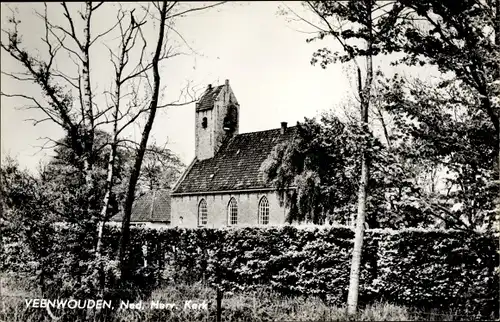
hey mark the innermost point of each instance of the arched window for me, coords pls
(232, 212)
(263, 211)
(202, 213)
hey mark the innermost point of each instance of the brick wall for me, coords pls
(226, 99)
(208, 140)
(204, 137)
(248, 204)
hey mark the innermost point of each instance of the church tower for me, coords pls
(216, 118)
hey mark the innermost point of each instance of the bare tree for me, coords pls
(168, 11)
(144, 140)
(69, 99)
(128, 40)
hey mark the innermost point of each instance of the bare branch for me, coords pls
(335, 33)
(192, 9)
(72, 34)
(303, 19)
(97, 6)
(38, 121)
(68, 79)
(44, 146)
(107, 31)
(61, 42)
(17, 77)
(38, 105)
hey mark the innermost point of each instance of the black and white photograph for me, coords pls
(221, 161)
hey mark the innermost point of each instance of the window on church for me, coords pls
(204, 123)
(232, 212)
(263, 211)
(202, 213)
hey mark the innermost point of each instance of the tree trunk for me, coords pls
(112, 155)
(134, 176)
(497, 42)
(384, 127)
(88, 115)
(107, 196)
(114, 143)
(352, 298)
(220, 293)
(365, 93)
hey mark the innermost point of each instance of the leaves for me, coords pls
(353, 24)
(310, 165)
(456, 37)
(317, 176)
(439, 127)
(160, 169)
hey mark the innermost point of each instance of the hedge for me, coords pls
(425, 269)
(443, 269)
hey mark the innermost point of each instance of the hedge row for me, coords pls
(418, 268)
(423, 269)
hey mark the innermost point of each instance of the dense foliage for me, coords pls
(439, 129)
(322, 165)
(444, 132)
(462, 39)
(33, 204)
(442, 269)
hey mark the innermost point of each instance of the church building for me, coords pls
(223, 185)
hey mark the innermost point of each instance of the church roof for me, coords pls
(236, 164)
(153, 206)
(206, 102)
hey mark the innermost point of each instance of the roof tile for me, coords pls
(236, 165)
(153, 206)
(206, 102)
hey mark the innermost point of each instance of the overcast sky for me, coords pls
(264, 56)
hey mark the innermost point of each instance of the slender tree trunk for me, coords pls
(88, 126)
(497, 42)
(122, 62)
(98, 269)
(107, 196)
(112, 153)
(88, 117)
(125, 233)
(384, 127)
(352, 298)
(365, 94)
(218, 299)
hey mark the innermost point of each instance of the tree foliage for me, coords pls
(160, 169)
(439, 125)
(310, 165)
(458, 37)
(317, 177)
(439, 157)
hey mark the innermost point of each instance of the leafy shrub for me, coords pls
(416, 268)
(439, 269)
(419, 268)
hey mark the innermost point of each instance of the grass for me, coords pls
(257, 306)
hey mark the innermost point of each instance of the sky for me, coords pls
(264, 56)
